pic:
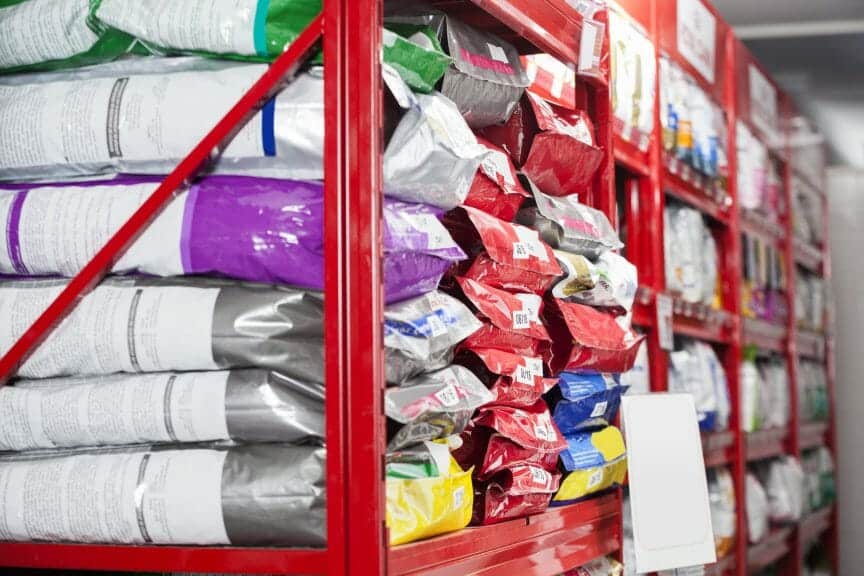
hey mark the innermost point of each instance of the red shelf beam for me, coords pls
(718, 448)
(773, 548)
(768, 230)
(683, 183)
(630, 157)
(814, 525)
(813, 435)
(558, 540)
(767, 443)
(724, 566)
(810, 345)
(701, 322)
(808, 256)
(765, 335)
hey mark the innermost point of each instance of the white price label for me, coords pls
(436, 325)
(521, 251)
(497, 53)
(449, 395)
(530, 239)
(664, 322)
(599, 409)
(496, 165)
(458, 498)
(532, 369)
(521, 320)
(531, 305)
(540, 477)
(595, 479)
(697, 37)
(591, 45)
(544, 432)
(763, 103)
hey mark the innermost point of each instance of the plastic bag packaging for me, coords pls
(506, 256)
(161, 408)
(157, 325)
(417, 55)
(721, 496)
(512, 321)
(242, 30)
(432, 155)
(615, 285)
(696, 370)
(419, 508)
(264, 495)
(496, 189)
(585, 400)
(784, 484)
(598, 567)
(774, 402)
(420, 334)
(586, 339)
(820, 485)
(53, 34)
(813, 399)
(553, 146)
(514, 493)
(433, 406)
(633, 78)
(514, 380)
(501, 437)
(751, 391)
(594, 462)
(255, 229)
(486, 78)
(637, 380)
(691, 256)
(757, 509)
(567, 225)
(143, 117)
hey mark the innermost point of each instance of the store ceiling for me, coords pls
(815, 48)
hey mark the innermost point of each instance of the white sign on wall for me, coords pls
(697, 37)
(763, 103)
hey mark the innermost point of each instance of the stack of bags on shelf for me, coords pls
(765, 402)
(694, 126)
(759, 184)
(813, 400)
(809, 301)
(807, 214)
(820, 485)
(724, 512)
(763, 285)
(599, 567)
(695, 369)
(691, 257)
(775, 495)
(547, 294)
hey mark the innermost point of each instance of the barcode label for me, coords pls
(458, 498)
(524, 375)
(540, 477)
(595, 479)
(531, 240)
(532, 369)
(436, 326)
(599, 409)
(521, 320)
(543, 432)
(521, 251)
(448, 396)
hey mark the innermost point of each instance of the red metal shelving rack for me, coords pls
(564, 537)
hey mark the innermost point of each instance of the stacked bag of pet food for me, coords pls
(775, 496)
(193, 379)
(821, 487)
(765, 402)
(695, 369)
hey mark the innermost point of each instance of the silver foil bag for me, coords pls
(158, 325)
(160, 408)
(264, 495)
(420, 334)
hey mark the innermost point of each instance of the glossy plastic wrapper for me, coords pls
(53, 34)
(598, 567)
(433, 406)
(594, 462)
(553, 146)
(721, 496)
(256, 229)
(432, 156)
(158, 325)
(264, 495)
(160, 408)
(567, 225)
(514, 493)
(416, 54)
(615, 281)
(524, 435)
(496, 189)
(421, 334)
(585, 401)
(506, 256)
(587, 339)
(420, 508)
(514, 380)
(695, 369)
(238, 30)
(757, 509)
(512, 321)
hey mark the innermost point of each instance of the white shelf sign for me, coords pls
(763, 103)
(697, 37)
(668, 484)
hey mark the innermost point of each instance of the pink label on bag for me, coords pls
(488, 63)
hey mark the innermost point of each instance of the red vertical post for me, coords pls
(733, 267)
(354, 168)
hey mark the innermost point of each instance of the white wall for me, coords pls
(846, 189)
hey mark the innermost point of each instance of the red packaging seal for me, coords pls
(490, 452)
(586, 338)
(496, 189)
(514, 379)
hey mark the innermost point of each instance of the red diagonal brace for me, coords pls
(271, 82)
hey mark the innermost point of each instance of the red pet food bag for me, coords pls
(516, 492)
(515, 380)
(496, 189)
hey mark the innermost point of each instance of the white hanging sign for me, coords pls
(763, 103)
(697, 37)
(668, 484)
